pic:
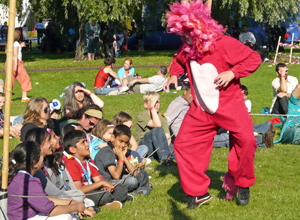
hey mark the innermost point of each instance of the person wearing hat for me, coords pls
(87, 117)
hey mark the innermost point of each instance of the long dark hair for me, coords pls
(26, 155)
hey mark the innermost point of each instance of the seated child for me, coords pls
(122, 118)
(116, 172)
(101, 134)
(152, 130)
(27, 159)
(85, 174)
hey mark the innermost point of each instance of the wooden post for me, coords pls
(291, 51)
(277, 50)
(8, 93)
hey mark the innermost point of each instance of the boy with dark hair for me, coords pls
(114, 165)
(85, 174)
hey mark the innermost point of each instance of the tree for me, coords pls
(80, 11)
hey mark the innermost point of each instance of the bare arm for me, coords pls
(116, 171)
(95, 99)
(155, 122)
(15, 59)
(145, 80)
(91, 187)
(63, 207)
(112, 73)
(133, 143)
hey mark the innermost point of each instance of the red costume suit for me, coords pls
(213, 108)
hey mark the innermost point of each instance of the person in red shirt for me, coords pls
(85, 173)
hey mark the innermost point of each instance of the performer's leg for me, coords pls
(193, 147)
(242, 142)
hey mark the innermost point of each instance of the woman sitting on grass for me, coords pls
(27, 159)
(78, 96)
(125, 71)
(102, 78)
(36, 114)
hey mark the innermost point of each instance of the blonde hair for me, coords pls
(33, 110)
(148, 96)
(101, 128)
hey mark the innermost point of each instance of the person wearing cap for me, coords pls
(87, 117)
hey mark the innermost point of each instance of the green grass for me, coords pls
(275, 194)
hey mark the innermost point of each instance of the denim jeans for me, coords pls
(104, 90)
(222, 140)
(134, 182)
(156, 139)
(142, 150)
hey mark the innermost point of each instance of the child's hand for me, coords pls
(153, 100)
(89, 212)
(119, 153)
(80, 206)
(107, 186)
(141, 166)
(224, 78)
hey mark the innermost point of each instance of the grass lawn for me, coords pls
(275, 194)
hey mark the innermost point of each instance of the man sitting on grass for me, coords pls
(154, 83)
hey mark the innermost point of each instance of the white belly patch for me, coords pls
(206, 92)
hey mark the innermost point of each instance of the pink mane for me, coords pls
(193, 20)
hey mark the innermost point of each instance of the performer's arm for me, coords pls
(244, 61)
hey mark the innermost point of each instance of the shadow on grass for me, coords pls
(176, 213)
(177, 192)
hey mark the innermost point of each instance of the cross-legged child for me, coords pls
(152, 130)
(120, 172)
(85, 174)
(27, 159)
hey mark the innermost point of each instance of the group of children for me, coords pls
(81, 171)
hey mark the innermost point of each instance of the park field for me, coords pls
(276, 193)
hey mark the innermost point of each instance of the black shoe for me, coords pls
(243, 196)
(96, 209)
(169, 162)
(129, 198)
(150, 186)
(194, 202)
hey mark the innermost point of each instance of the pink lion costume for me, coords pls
(215, 63)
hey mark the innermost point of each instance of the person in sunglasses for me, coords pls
(87, 117)
(36, 114)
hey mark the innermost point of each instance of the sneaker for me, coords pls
(113, 205)
(123, 93)
(267, 139)
(194, 202)
(25, 99)
(169, 162)
(129, 198)
(124, 89)
(145, 191)
(115, 92)
(243, 196)
(96, 209)
(150, 186)
(148, 161)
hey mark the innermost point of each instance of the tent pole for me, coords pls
(8, 93)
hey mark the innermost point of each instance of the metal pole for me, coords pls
(8, 93)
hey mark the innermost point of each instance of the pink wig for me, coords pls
(192, 20)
